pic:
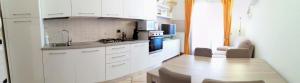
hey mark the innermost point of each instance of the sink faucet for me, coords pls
(69, 42)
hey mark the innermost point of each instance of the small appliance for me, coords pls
(169, 29)
(147, 25)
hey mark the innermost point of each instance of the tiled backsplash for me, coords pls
(88, 29)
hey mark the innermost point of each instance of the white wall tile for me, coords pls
(88, 29)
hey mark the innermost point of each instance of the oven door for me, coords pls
(156, 43)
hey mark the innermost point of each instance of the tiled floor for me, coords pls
(139, 78)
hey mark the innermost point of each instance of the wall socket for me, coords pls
(118, 31)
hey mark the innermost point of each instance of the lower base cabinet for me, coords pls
(171, 48)
(93, 65)
(90, 65)
(74, 66)
(139, 57)
(117, 69)
(59, 66)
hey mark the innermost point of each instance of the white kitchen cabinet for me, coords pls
(171, 48)
(20, 8)
(117, 69)
(117, 49)
(139, 56)
(134, 9)
(90, 65)
(111, 58)
(112, 8)
(23, 45)
(150, 9)
(56, 8)
(59, 66)
(90, 8)
(117, 61)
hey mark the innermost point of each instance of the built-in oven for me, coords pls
(156, 39)
(156, 43)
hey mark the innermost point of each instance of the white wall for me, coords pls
(274, 28)
(178, 11)
(179, 15)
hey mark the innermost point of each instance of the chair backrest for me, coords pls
(203, 52)
(246, 43)
(167, 76)
(218, 81)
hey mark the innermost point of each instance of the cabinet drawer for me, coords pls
(141, 45)
(117, 49)
(93, 51)
(110, 58)
(116, 70)
(57, 52)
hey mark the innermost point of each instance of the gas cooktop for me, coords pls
(105, 41)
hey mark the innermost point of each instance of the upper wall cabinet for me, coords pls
(150, 9)
(20, 8)
(56, 8)
(134, 10)
(86, 8)
(112, 8)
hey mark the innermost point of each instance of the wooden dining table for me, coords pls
(226, 69)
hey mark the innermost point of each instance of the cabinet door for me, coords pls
(112, 8)
(22, 36)
(56, 8)
(139, 56)
(20, 8)
(134, 9)
(59, 66)
(117, 69)
(90, 65)
(86, 8)
(150, 9)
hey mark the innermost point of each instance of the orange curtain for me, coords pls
(227, 7)
(188, 14)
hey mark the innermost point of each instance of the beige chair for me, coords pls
(207, 52)
(243, 48)
(218, 81)
(167, 76)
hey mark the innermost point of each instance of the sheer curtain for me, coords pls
(207, 29)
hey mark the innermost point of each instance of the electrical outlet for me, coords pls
(118, 31)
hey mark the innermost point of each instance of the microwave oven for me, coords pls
(147, 25)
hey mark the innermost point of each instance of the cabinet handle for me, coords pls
(22, 14)
(57, 14)
(118, 65)
(118, 56)
(60, 53)
(86, 13)
(60, 13)
(22, 21)
(112, 14)
(118, 48)
(90, 51)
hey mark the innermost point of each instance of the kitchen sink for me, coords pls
(58, 44)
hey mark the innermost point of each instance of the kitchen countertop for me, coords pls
(79, 45)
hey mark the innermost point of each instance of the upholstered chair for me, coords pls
(243, 48)
(207, 52)
(218, 81)
(167, 76)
